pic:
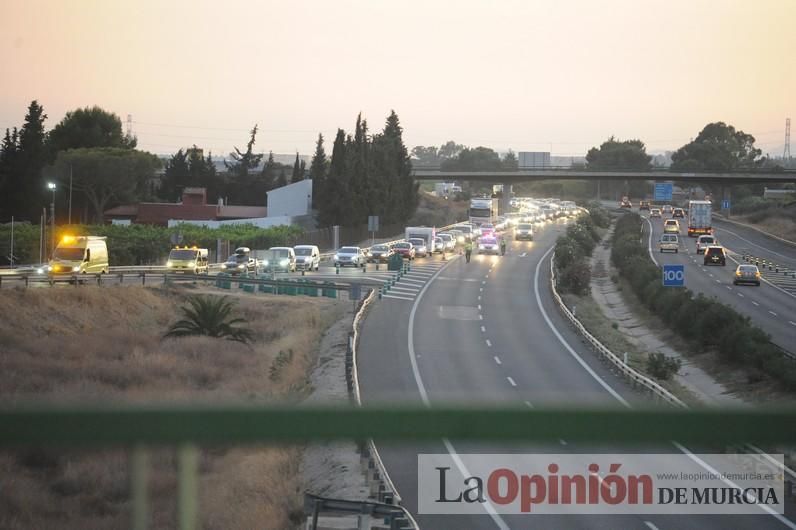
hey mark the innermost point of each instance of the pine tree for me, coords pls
(9, 163)
(24, 189)
(282, 179)
(176, 177)
(268, 174)
(297, 172)
(397, 193)
(241, 184)
(318, 168)
(332, 199)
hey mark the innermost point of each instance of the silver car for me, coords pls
(353, 256)
(421, 249)
(449, 240)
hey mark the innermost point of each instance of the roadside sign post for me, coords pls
(674, 275)
(373, 227)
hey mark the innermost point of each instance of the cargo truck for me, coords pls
(699, 218)
(425, 233)
(483, 210)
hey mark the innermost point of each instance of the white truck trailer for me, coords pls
(699, 218)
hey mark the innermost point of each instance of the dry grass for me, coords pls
(779, 225)
(436, 211)
(91, 343)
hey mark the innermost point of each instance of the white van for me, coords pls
(308, 257)
(669, 242)
(80, 255)
(280, 259)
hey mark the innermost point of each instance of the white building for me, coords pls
(292, 200)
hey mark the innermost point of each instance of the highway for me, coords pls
(487, 332)
(772, 306)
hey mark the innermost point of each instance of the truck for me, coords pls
(446, 189)
(425, 233)
(79, 255)
(699, 219)
(483, 210)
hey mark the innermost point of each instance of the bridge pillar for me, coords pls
(505, 200)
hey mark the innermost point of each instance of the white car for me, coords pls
(308, 257)
(704, 242)
(353, 256)
(448, 240)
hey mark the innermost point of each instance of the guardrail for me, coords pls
(315, 504)
(634, 376)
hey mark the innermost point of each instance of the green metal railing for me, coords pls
(187, 427)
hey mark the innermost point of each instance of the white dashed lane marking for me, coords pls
(488, 343)
(773, 313)
(511, 381)
(755, 303)
(497, 360)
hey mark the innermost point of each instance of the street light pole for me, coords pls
(70, 194)
(51, 186)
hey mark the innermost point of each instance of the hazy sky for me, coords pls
(526, 75)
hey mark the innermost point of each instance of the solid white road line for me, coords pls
(401, 288)
(511, 381)
(497, 360)
(396, 297)
(563, 341)
(619, 398)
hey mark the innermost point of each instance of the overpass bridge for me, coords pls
(751, 176)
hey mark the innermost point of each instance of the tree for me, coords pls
(718, 147)
(24, 155)
(334, 193)
(107, 175)
(476, 159)
(89, 127)
(281, 180)
(613, 154)
(318, 168)
(176, 176)
(298, 173)
(268, 174)
(243, 162)
(210, 316)
(425, 156)
(396, 192)
(450, 149)
(360, 198)
(510, 161)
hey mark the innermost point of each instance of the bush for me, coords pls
(662, 367)
(704, 321)
(576, 278)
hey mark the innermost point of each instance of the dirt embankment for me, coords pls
(91, 344)
(436, 211)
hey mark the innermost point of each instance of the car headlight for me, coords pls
(265, 262)
(460, 239)
(241, 266)
(49, 268)
(169, 264)
(336, 257)
(40, 270)
(284, 262)
(223, 265)
(76, 268)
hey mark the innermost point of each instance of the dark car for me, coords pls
(380, 253)
(715, 256)
(406, 250)
(644, 205)
(678, 212)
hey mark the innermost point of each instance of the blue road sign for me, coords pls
(673, 275)
(663, 191)
(725, 204)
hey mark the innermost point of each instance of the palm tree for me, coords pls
(209, 315)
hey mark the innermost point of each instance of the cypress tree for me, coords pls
(318, 168)
(282, 179)
(297, 172)
(268, 174)
(333, 200)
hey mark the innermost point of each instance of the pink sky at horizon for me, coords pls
(511, 74)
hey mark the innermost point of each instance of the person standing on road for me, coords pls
(502, 246)
(468, 250)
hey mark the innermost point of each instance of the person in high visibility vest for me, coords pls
(468, 250)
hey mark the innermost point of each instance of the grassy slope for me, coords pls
(104, 344)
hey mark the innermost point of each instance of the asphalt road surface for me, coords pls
(488, 332)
